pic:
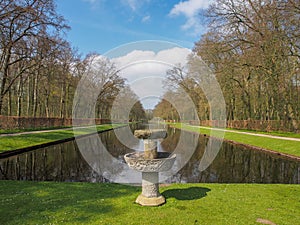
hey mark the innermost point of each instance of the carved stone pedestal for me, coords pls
(150, 190)
(150, 169)
(150, 163)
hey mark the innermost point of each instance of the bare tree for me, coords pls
(253, 46)
(22, 22)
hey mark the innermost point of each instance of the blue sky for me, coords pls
(100, 25)
(118, 29)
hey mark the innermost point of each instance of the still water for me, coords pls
(232, 164)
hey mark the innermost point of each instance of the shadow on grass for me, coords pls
(191, 193)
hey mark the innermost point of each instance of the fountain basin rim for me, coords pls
(163, 163)
(139, 155)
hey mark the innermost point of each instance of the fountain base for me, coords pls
(154, 201)
(150, 190)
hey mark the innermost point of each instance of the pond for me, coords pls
(232, 164)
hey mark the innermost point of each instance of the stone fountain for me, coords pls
(150, 163)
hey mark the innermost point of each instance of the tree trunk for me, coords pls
(28, 97)
(9, 105)
(20, 95)
(35, 93)
(66, 115)
(62, 100)
(47, 110)
(4, 78)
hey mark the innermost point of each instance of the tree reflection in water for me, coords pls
(233, 164)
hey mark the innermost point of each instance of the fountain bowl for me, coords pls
(137, 161)
(151, 134)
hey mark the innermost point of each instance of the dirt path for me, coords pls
(253, 134)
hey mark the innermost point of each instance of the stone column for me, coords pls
(150, 185)
(150, 149)
(150, 190)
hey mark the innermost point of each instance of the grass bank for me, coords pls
(278, 145)
(8, 143)
(13, 131)
(87, 203)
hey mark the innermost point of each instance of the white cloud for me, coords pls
(190, 10)
(145, 70)
(134, 4)
(138, 63)
(146, 18)
(131, 3)
(93, 3)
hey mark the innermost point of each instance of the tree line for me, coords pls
(40, 70)
(253, 48)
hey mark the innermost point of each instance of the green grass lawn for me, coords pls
(283, 146)
(89, 203)
(26, 140)
(13, 131)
